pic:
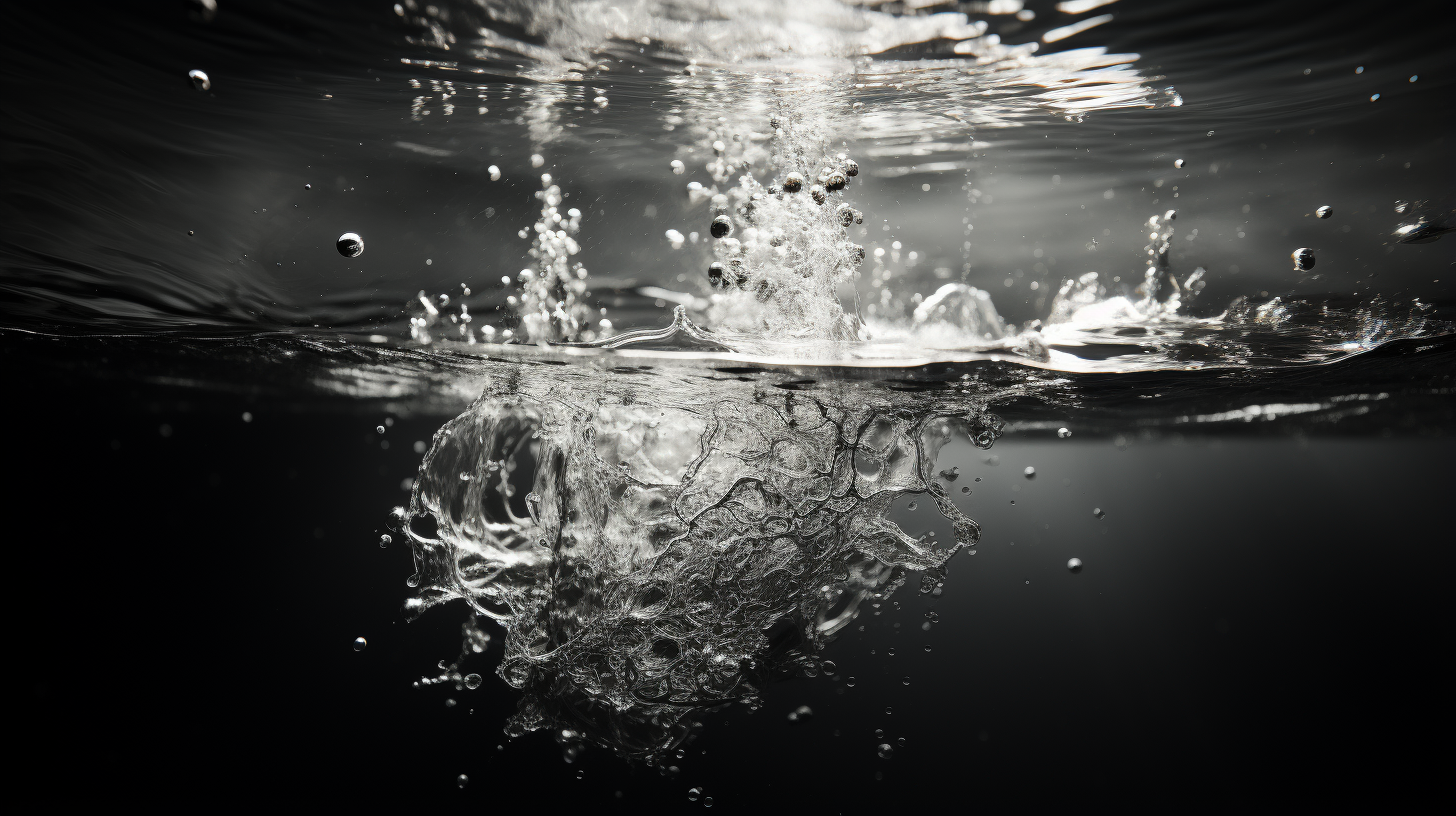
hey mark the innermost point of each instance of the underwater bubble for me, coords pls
(1374, 97)
(495, 173)
(1401, 207)
(1029, 473)
(884, 751)
(472, 681)
(385, 540)
(1324, 212)
(905, 680)
(793, 182)
(199, 79)
(851, 167)
(966, 489)
(462, 780)
(694, 794)
(721, 227)
(1303, 259)
(1097, 511)
(836, 181)
(818, 194)
(1063, 433)
(708, 802)
(677, 167)
(307, 186)
(715, 274)
(350, 245)
(397, 517)
(360, 643)
(1074, 565)
(600, 102)
(850, 681)
(913, 506)
(537, 160)
(801, 714)
(1178, 163)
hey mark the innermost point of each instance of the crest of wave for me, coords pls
(676, 554)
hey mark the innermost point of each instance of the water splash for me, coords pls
(652, 554)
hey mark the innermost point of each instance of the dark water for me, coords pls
(655, 532)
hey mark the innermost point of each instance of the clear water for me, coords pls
(682, 459)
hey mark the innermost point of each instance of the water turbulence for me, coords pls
(652, 558)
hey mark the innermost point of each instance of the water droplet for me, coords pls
(1029, 473)
(350, 245)
(385, 540)
(199, 79)
(1178, 163)
(1303, 259)
(694, 794)
(1063, 433)
(360, 643)
(462, 780)
(1097, 511)
(1074, 565)
(472, 681)
(885, 751)
(1324, 212)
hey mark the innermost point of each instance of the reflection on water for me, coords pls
(656, 549)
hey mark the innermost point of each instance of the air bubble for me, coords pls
(350, 245)
(721, 227)
(966, 490)
(1303, 259)
(1063, 433)
(1178, 163)
(1074, 565)
(884, 751)
(801, 714)
(1097, 511)
(472, 681)
(462, 780)
(385, 540)
(1324, 212)
(360, 643)
(1029, 473)
(793, 182)
(694, 794)
(199, 79)
(600, 102)
(677, 167)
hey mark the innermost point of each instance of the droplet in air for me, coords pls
(472, 681)
(1303, 259)
(1324, 212)
(462, 780)
(199, 79)
(1074, 565)
(1063, 433)
(1029, 473)
(350, 245)
(1178, 163)
(360, 643)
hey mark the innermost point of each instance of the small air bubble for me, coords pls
(1029, 473)
(1324, 212)
(1097, 511)
(1303, 259)
(385, 540)
(1074, 565)
(350, 245)
(966, 490)
(694, 794)
(199, 79)
(359, 644)
(462, 780)
(1178, 163)
(850, 681)
(885, 751)
(913, 506)
(1063, 433)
